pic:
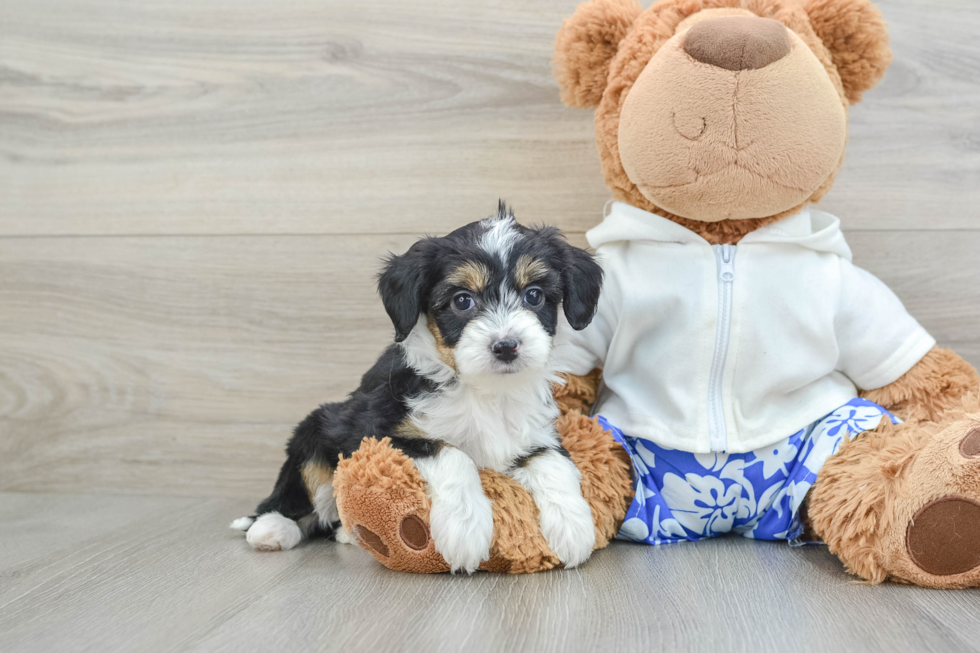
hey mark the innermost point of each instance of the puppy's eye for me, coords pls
(463, 302)
(533, 296)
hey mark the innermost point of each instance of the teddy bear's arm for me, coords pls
(933, 386)
(578, 393)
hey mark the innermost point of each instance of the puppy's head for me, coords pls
(484, 300)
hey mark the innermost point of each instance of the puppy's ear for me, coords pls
(581, 280)
(401, 285)
(854, 32)
(586, 45)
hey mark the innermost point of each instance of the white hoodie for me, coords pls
(733, 348)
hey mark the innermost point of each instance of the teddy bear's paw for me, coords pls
(942, 537)
(969, 446)
(569, 529)
(412, 533)
(462, 531)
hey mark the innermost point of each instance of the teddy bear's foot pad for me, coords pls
(943, 537)
(970, 445)
(414, 533)
(370, 539)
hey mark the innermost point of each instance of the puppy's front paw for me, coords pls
(569, 530)
(462, 531)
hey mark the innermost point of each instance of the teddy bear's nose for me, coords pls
(738, 42)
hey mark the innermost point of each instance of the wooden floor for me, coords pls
(114, 573)
(194, 197)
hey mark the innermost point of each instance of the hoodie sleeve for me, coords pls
(580, 352)
(877, 338)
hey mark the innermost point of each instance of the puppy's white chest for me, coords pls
(492, 430)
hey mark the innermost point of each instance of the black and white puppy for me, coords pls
(468, 384)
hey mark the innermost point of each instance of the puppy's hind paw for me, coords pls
(341, 536)
(273, 532)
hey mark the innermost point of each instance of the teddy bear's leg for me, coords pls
(384, 507)
(902, 502)
(383, 504)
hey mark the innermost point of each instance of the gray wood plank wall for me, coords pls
(194, 196)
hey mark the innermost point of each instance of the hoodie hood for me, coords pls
(809, 228)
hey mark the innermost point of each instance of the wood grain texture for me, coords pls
(295, 116)
(178, 365)
(168, 575)
(142, 362)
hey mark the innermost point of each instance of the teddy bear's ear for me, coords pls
(585, 46)
(854, 32)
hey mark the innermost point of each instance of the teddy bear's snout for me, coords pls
(732, 118)
(738, 42)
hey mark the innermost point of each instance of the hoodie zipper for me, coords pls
(717, 430)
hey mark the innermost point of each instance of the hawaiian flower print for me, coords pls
(775, 458)
(702, 504)
(684, 496)
(854, 418)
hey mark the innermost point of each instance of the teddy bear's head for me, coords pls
(723, 115)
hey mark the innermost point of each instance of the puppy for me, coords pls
(467, 384)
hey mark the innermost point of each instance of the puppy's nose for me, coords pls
(505, 350)
(738, 42)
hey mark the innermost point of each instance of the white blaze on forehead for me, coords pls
(499, 238)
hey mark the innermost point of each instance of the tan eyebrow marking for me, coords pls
(528, 270)
(471, 275)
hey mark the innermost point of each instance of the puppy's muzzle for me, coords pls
(505, 350)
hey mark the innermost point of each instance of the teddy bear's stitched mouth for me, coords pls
(700, 177)
(704, 128)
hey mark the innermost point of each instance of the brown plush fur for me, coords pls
(378, 487)
(867, 494)
(578, 393)
(650, 32)
(931, 389)
(586, 44)
(839, 32)
(607, 482)
(847, 36)
(854, 32)
(848, 506)
(712, 144)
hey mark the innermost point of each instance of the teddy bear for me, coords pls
(741, 375)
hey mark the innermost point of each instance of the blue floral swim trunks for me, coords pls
(682, 496)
